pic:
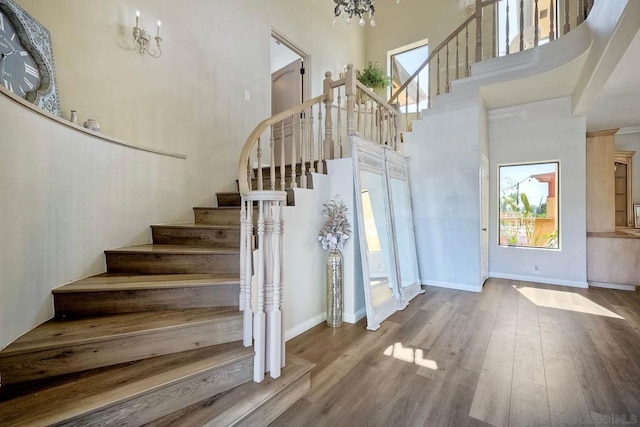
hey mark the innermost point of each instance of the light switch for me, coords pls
(247, 96)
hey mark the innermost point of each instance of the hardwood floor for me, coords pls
(518, 354)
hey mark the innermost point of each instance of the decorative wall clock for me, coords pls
(26, 58)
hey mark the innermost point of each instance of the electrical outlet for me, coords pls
(247, 96)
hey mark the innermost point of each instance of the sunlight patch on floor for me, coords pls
(564, 301)
(410, 355)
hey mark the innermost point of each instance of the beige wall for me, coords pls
(66, 196)
(408, 22)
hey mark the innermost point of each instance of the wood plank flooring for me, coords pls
(519, 354)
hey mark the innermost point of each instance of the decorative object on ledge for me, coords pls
(468, 7)
(26, 58)
(333, 234)
(373, 76)
(91, 124)
(141, 39)
(356, 8)
(636, 216)
(74, 117)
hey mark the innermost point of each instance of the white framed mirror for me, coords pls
(397, 169)
(377, 248)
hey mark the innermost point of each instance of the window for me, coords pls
(529, 205)
(403, 63)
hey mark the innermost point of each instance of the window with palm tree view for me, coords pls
(529, 205)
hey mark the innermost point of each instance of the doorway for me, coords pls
(289, 86)
(623, 188)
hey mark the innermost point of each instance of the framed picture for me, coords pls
(636, 216)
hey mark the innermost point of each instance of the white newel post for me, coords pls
(350, 90)
(264, 318)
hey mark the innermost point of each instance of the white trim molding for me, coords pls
(543, 280)
(355, 317)
(304, 326)
(451, 285)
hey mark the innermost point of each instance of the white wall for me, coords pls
(341, 183)
(631, 142)
(542, 131)
(304, 275)
(66, 197)
(443, 152)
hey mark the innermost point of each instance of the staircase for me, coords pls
(157, 339)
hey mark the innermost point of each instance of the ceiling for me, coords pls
(618, 105)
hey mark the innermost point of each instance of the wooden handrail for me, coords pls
(252, 140)
(438, 48)
(375, 97)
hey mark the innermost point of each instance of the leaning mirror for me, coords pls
(382, 298)
(402, 223)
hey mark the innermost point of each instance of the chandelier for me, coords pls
(359, 8)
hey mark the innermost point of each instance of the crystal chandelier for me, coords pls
(359, 8)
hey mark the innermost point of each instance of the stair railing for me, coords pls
(477, 39)
(299, 139)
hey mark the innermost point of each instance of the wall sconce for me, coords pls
(141, 39)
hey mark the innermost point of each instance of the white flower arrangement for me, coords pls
(335, 228)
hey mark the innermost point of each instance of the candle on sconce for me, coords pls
(137, 18)
(159, 26)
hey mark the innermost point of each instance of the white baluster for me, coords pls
(283, 166)
(312, 143)
(294, 159)
(272, 162)
(243, 247)
(247, 330)
(328, 120)
(260, 183)
(259, 319)
(339, 122)
(275, 319)
(320, 141)
(303, 150)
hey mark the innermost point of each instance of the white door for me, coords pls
(286, 92)
(484, 218)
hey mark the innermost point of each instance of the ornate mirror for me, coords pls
(402, 222)
(381, 291)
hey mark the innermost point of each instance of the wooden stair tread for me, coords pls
(239, 403)
(213, 208)
(172, 249)
(58, 333)
(122, 282)
(198, 226)
(71, 396)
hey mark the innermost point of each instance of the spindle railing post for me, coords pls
(339, 128)
(294, 159)
(259, 318)
(478, 30)
(536, 22)
(567, 23)
(259, 178)
(506, 41)
(328, 120)
(312, 143)
(303, 150)
(247, 243)
(551, 21)
(521, 24)
(320, 141)
(283, 162)
(272, 161)
(275, 314)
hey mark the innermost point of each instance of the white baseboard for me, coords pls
(618, 286)
(304, 326)
(451, 285)
(544, 280)
(353, 318)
